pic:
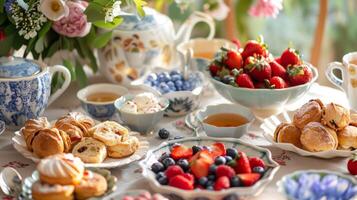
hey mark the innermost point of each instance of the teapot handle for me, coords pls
(330, 75)
(67, 80)
(184, 32)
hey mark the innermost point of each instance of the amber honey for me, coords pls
(207, 55)
(102, 97)
(225, 120)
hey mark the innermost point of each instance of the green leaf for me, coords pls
(109, 25)
(30, 46)
(2, 18)
(101, 40)
(91, 35)
(45, 28)
(2, 2)
(104, 3)
(71, 69)
(6, 45)
(40, 45)
(53, 48)
(95, 12)
(85, 51)
(139, 7)
(18, 41)
(81, 75)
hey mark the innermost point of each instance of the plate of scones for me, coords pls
(98, 144)
(315, 129)
(63, 176)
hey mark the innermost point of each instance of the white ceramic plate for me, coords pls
(269, 125)
(20, 146)
(249, 149)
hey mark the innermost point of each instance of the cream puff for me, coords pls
(309, 112)
(316, 137)
(43, 191)
(335, 116)
(347, 138)
(288, 133)
(91, 185)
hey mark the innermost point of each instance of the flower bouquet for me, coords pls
(48, 27)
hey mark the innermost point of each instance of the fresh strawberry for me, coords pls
(214, 69)
(258, 68)
(173, 170)
(242, 164)
(278, 60)
(222, 183)
(299, 74)
(233, 60)
(260, 85)
(181, 182)
(290, 57)
(218, 149)
(244, 80)
(256, 162)
(253, 47)
(277, 82)
(225, 170)
(189, 177)
(278, 70)
(248, 179)
(200, 163)
(181, 151)
(352, 165)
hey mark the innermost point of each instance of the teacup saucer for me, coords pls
(194, 124)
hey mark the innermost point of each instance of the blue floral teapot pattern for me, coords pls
(139, 44)
(25, 89)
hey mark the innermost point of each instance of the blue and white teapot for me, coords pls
(25, 89)
(141, 43)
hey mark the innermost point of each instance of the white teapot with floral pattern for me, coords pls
(139, 44)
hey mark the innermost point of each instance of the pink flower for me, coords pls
(75, 24)
(266, 8)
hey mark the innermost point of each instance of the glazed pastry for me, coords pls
(50, 142)
(353, 119)
(316, 137)
(43, 191)
(288, 133)
(64, 169)
(32, 127)
(76, 125)
(347, 138)
(335, 116)
(309, 112)
(125, 148)
(92, 185)
(110, 133)
(90, 150)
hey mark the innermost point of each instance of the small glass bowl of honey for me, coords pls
(225, 120)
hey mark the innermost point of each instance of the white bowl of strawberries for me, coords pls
(255, 79)
(208, 167)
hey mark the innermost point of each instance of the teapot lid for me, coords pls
(16, 67)
(151, 19)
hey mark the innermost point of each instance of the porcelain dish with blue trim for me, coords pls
(250, 150)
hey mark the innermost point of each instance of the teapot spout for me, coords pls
(184, 32)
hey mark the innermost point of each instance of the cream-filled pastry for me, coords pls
(316, 137)
(309, 112)
(335, 116)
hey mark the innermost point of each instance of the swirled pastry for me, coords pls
(347, 138)
(288, 133)
(335, 116)
(90, 150)
(309, 112)
(43, 191)
(109, 132)
(316, 137)
(32, 127)
(124, 148)
(64, 169)
(91, 185)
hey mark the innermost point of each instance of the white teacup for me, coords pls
(348, 82)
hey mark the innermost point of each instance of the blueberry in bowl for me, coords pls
(182, 93)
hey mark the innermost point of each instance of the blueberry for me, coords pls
(178, 83)
(203, 181)
(163, 180)
(164, 88)
(168, 162)
(228, 159)
(152, 77)
(259, 170)
(163, 156)
(176, 77)
(186, 86)
(161, 77)
(155, 83)
(183, 163)
(235, 181)
(164, 134)
(231, 152)
(159, 175)
(220, 160)
(175, 72)
(212, 169)
(231, 197)
(211, 177)
(227, 79)
(210, 187)
(157, 167)
(196, 149)
(171, 85)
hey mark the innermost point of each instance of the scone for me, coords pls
(31, 128)
(109, 132)
(90, 150)
(335, 116)
(49, 142)
(125, 148)
(316, 137)
(347, 138)
(288, 133)
(43, 191)
(64, 169)
(92, 185)
(309, 112)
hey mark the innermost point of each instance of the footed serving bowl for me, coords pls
(249, 149)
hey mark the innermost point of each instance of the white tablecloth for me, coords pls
(129, 177)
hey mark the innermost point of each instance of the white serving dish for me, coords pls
(249, 149)
(269, 125)
(20, 145)
(232, 132)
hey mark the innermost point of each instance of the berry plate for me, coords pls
(250, 150)
(269, 125)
